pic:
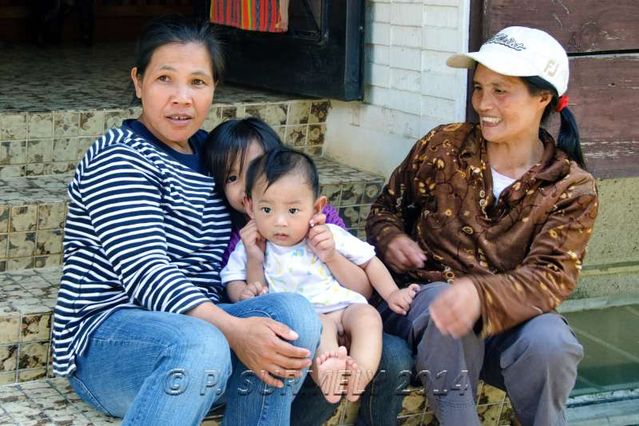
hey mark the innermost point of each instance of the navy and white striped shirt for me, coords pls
(143, 230)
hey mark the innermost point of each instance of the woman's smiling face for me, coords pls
(507, 111)
(176, 91)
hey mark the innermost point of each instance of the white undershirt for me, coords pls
(500, 182)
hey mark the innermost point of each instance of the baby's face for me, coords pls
(235, 181)
(283, 211)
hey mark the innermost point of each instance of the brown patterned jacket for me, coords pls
(523, 253)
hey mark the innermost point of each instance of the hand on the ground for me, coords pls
(403, 254)
(320, 238)
(252, 290)
(261, 344)
(399, 301)
(457, 308)
(253, 241)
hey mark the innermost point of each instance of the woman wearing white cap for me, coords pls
(493, 220)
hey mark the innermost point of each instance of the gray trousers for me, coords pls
(535, 363)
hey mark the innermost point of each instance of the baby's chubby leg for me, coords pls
(329, 366)
(364, 326)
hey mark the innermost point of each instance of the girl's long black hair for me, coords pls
(228, 142)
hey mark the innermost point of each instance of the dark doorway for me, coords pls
(320, 55)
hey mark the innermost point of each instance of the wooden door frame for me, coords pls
(474, 43)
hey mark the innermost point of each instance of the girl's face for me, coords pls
(508, 113)
(176, 91)
(236, 180)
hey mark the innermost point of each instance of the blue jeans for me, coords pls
(380, 403)
(158, 368)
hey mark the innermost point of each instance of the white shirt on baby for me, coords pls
(297, 269)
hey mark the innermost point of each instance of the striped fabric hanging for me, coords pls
(252, 15)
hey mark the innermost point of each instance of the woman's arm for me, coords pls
(262, 344)
(549, 272)
(389, 221)
(122, 192)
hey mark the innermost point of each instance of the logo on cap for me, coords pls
(551, 68)
(506, 41)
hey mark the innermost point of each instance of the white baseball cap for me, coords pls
(520, 52)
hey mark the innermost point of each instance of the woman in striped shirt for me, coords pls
(137, 328)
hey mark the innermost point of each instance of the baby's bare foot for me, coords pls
(330, 368)
(358, 379)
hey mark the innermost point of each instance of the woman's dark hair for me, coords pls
(228, 142)
(177, 29)
(281, 162)
(568, 139)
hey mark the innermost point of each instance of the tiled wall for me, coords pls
(44, 143)
(33, 212)
(26, 301)
(39, 151)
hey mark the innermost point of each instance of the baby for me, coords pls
(282, 194)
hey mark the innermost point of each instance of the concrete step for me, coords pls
(68, 96)
(36, 143)
(32, 214)
(33, 211)
(28, 391)
(27, 299)
(52, 402)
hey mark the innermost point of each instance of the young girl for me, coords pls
(282, 195)
(228, 151)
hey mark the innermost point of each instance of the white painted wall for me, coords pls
(408, 87)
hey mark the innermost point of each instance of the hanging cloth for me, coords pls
(252, 15)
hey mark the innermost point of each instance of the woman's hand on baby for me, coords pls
(403, 254)
(252, 290)
(253, 241)
(262, 346)
(320, 238)
(399, 300)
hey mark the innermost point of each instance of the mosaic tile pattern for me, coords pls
(27, 299)
(45, 143)
(78, 78)
(32, 214)
(33, 211)
(70, 95)
(52, 401)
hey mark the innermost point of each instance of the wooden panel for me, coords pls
(580, 25)
(604, 96)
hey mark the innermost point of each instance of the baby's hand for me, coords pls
(254, 243)
(399, 301)
(320, 238)
(253, 290)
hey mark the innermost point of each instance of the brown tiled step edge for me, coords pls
(27, 299)
(52, 402)
(32, 214)
(33, 211)
(43, 143)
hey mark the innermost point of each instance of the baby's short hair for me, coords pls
(280, 162)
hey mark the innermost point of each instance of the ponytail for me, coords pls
(568, 139)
